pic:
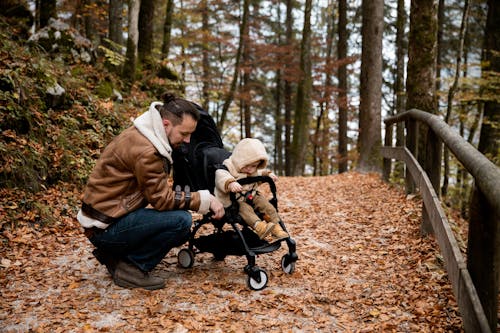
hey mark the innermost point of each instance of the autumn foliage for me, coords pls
(363, 267)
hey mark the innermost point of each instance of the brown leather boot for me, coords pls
(106, 259)
(278, 232)
(262, 229)
(129, 276)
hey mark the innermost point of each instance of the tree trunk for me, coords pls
(399, 82)
(47, 10)
(452, 90)
(303, 105)
(167, 29)
(145, 42)
(129, 68)
(230, 94)
(342, 77)
(245, 84)
(288, 91)
(483, 260)
(115, 29)
(278, 117)
(421, 68)
(205, 89)
(370, 139)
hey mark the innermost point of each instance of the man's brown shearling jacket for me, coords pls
(131, 174)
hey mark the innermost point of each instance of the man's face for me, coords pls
(180, 133)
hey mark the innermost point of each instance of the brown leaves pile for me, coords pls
(362, 267)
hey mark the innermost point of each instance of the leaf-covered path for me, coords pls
(363, 267)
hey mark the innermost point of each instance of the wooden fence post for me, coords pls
(483, 257)
(387, 143)
(411, 144)
(432, 167)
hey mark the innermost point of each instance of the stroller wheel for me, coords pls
(257, 279)
(287, 264)
(185, 258)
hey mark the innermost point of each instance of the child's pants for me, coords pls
(262, 205)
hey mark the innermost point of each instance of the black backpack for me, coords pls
(195, 164)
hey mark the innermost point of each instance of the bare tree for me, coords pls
(230, 94)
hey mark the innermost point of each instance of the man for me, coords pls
(132, 173)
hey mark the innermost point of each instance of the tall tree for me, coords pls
(370, 140)
(288, 90)
(342, 77)
(321, 135)
(129, 68)
(303, 104)
(399, 86)
(205, 94)
(45, 10)
(230, 94)
(278, 116)
(167, 29)
(453, 89)
(245, 89)
(484, 228)
(115, 27)
(145, 42)
(421, 68)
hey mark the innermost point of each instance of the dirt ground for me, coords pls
(363, 267)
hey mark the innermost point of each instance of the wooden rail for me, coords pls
(475, 283)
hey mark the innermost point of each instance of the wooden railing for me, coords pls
(475, 283)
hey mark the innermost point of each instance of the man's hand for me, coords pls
(216, 207)
(235, 187)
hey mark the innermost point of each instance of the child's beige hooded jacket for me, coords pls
(246, 152)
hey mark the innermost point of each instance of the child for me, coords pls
(249, 158)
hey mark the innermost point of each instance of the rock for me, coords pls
(62, 41)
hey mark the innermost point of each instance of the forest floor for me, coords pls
(363, 267)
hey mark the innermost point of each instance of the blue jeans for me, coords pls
(145, 236)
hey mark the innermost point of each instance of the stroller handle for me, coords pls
(259, 179)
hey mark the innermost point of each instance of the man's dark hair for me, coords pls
(174, 108)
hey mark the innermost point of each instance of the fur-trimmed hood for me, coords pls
(150, 125)
(246, 152)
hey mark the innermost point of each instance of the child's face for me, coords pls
(250, 168)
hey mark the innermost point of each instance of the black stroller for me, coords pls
(195, 167)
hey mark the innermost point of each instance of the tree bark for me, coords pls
(230, 94)
(288, 91)
(145, 42)
(129, 68)
(370, 139)
(400, 74)
(115, 19)
(47, 10)
(205, 89)
(303, 104)
(167, 29)
(342, 95)
(421, 68)
(483, 260)
(452, 90)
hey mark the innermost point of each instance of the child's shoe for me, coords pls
(262, 229)
(278, 232)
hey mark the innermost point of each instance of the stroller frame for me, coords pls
(239, 240)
